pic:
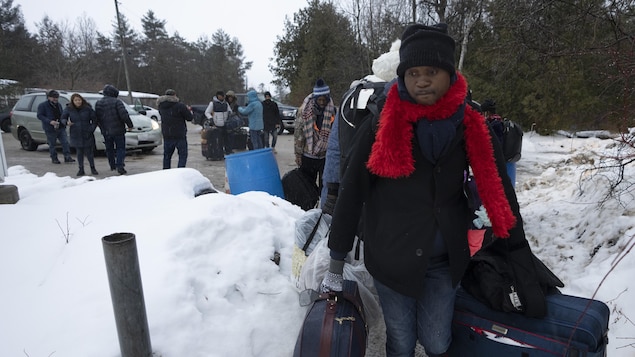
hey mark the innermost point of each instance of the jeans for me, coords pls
(169, 145)
(256, 139)
(51, 139)
(88, 151)
(115, 145)
(427, 318)
(274, 137)
(511, 172)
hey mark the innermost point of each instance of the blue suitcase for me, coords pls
(573, 326)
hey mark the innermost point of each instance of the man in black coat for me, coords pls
(271, 117)
(174, 114)
(112, 119)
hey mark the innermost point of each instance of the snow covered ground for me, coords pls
(210, 286)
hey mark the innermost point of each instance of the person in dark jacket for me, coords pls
(407, 180)
(112, 119)
(271, 117)
(82, 122)
(50, 113)
(174, 114)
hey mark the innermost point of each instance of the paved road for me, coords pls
(39, 163)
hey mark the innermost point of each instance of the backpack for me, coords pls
(512, 140)
(364, 100)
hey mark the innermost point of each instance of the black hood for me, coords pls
(110, 91)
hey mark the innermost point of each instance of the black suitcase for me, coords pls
(573, 326)
(299, 190)
(239, 139)
(334, 326)
(214, 150)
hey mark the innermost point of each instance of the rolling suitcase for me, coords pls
(214, 150)
(573, 326)
(299, 190)
(334, 326)
(239, 139)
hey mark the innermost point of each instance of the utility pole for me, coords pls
(123, 53)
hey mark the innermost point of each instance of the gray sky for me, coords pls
(256, 24)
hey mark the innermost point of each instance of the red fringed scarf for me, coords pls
(391, 155)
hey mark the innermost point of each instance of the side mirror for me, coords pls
(142, 112)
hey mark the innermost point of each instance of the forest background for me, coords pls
(549, 65)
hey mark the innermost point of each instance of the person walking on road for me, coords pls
(271, 117)
(82, 122)
(112, 119)
(174, 115)
(50, 113)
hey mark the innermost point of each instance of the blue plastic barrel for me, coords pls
(255, 170)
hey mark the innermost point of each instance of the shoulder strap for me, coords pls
(312, 235)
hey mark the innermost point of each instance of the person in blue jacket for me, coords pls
(50, 113)
(82, 122)
(253, 111)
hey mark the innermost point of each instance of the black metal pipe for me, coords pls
(126, 292)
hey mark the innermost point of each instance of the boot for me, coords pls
(55, 161)
(93, 170)
(81, 172)
(69, 159)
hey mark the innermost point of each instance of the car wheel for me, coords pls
(148, 150)
(290, 131)
(6, 125)
(26, 141)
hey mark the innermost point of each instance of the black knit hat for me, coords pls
(53, 94)
(423, 45)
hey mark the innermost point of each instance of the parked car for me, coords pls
(5, 120)
(287, 112)
(27, 128)
(198, 113)
(147, 111)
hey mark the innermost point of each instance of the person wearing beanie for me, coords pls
(50, 113)
(112, 119)
(312, 129)
(174, 116)
(405, 180)
(272, 121)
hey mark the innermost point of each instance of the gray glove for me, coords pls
(333, 279)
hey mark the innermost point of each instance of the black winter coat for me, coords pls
(401, 216)
(270, 114)
(84, 123)
(112, 115)
(173, 117)
(48, 111)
